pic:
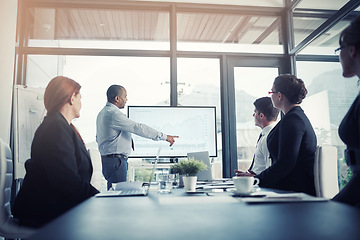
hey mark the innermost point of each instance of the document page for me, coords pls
(267, 197)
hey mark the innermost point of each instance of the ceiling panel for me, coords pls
(257, 3)
(99, 24)
(226, 28)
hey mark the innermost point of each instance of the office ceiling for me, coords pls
(153, 25)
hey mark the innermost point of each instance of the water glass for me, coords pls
(165, 183)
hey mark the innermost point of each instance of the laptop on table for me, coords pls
(143, 191)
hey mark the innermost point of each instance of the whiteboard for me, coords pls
(29, 111)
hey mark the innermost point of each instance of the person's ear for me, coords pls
(72, 99)
(353, 52)
(261, 115)
(117, 99)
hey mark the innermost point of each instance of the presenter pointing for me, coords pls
(113, 135)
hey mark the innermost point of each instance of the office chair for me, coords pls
(97, 177)
(326, 171)
(9, 226)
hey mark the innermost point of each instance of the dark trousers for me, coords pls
(114, 169)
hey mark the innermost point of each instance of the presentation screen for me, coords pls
(195, 126)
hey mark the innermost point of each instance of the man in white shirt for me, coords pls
(265, 116)
(113, 135)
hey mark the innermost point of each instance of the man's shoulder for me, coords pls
(110, 109)
(268, 128)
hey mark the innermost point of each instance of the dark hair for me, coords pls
(113, 91)
(58, 92)
(351, 34)
(264, 105)
(292, 87)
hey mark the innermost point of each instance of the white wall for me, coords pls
(8, 12)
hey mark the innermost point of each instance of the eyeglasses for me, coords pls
(337, 51)
(272, 92)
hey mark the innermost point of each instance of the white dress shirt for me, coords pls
(114, 128)
(262, 156)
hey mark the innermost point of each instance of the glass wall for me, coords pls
(71, 27)
(321, 4)
(250, 83)
(199, 85)
(324, 44)
(329, 98)
(229, 33)
(95, 74)
(41, 68)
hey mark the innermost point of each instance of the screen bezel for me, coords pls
(174, 107)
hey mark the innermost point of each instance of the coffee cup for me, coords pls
(244, 184)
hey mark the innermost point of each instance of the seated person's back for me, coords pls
(292, 142)
(59, 172)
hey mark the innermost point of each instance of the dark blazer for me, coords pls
(292, 147)
(349, 132)
(57, 175)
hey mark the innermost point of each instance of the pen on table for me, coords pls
(251, 196)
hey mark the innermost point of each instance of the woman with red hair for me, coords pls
(59, 172)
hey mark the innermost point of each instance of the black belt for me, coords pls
(115, 155)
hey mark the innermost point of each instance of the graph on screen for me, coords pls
(195, 126)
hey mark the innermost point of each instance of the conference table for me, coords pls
(211, 215)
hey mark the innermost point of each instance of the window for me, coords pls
(199, 85)
(144, 78)
(329, 98)
(228, 33)
(114, 28)
(249, 85)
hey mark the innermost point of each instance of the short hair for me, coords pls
(292, 87)
(265, 106)
(58, 92)
(113, 91)
(351, 34)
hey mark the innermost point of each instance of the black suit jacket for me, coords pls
(57, 175)
(349, 132)
(292, 146)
